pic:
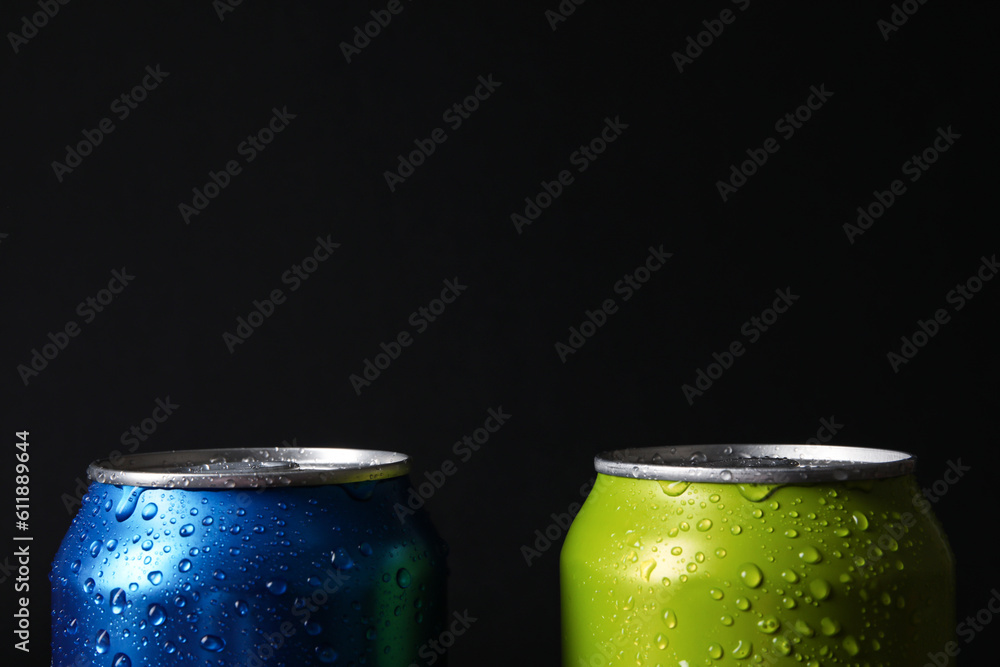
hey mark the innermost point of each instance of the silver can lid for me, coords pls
(755, 464)
(249, 468)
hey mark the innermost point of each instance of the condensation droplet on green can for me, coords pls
(751, 575)
(674, 488)
(820, 589)
(860, 519)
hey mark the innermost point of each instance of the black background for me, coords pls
(826, 358)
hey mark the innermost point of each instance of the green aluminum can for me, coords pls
(745, 555)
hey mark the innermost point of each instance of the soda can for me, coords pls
(755, 555)
(248, 557)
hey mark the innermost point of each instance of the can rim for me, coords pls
(249, 467)
(780, 463)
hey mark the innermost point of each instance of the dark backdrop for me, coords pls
(885, 95)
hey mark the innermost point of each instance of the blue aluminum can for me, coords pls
(248, 557)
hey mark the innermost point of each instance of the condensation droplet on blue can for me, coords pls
(326, 653)
(155, 577)
(128, 503)
(219, 574)
(207, 521)
(118, 600)
(88, 585)
(72, 627)
(149, 511)
(187, 530)
(121, 660)
(169, 647)
(184, 565)
(277, 586)
(403, 577)
(365, 549)
(157, 614)
(95, 548)
(341, 559)
(242, 608)
(103, 642)
(75, 567)
(147, 545)
(213, 643)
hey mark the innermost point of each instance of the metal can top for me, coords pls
(241, 468)
(755, 464)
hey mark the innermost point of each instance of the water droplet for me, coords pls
(670, 618)
(842, 532)
(157, 614)
(677, 551)
(277, 586)
(103, 641)
(207, 521)
(242, 608)
(75, 567)
(769, 624)
(860, 519)
(756, 492)
(829, 626)
(647, 568)
(850, 645)
(170, 648)
(726, 620)
(751, 575)
(790, 576)
(95, 548)
(187, 530)
(155, 577)
(111, 545)
(72, 627)
(180, 601)
(820, 589)
(742, 604)
(88, 586)
(720, 553)
(365, 549)
(714, 651)
(792, 533)
(674, 488)
(662, 642)
(810, 554)
(736, 530)
(716, 594)
(804, 628)
(121, 660)
(342, 560)
(128, 502)
(326, 653)
(147, 545)
(118, 600)
(149, 511)
(782, 646)
(213, 643)
(726, 475)
(742, 649)
(704, 525)
(313, 628)
(184, 565)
